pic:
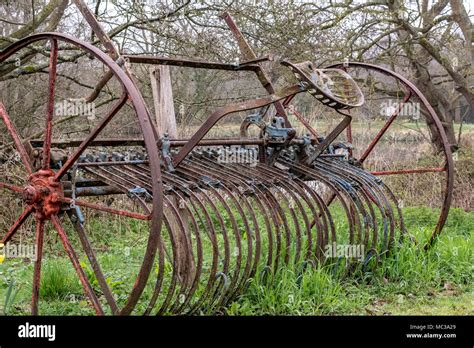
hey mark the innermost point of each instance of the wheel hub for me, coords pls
(44, 193)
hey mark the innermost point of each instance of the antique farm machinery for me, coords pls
(205, 214)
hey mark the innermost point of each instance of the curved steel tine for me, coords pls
(181, 270)
(217, 212)
(368, 218)
(296, 194)
(350, 184)
(177, 258)
(335, 187)
(195, 173)
(259, 196)
(305, 191)
(322, 228)
(357, 209)
(386, 211)
(184, 170)
(225, 289)
(239, 176)
(206, 167)
(143, 172)
(174, 275)
(401, 223)
(380, 188)
(226, 243)
(268, 188)
(217, 173)
(346, 200)
(368, 198)
(364, 197)
(211, 233)
(199, 209)
(356, 205)
(255, 173)
(227, 253)
(327, 222)
(377, 195)
(328, 228)
(159, 277)
(223, 172)
(250, 172)
(377, 182)
(199, 254)
(393, 198)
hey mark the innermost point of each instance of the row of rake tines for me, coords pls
(243, 222)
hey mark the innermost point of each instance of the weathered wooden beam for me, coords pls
(166, 123)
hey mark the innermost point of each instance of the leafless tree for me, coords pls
(430, 41)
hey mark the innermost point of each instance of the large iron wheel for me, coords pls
(43, 192)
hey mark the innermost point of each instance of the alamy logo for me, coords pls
(21, 251)
(73, 107)
(37, 331)
(412, 110)
(238, 155)
(348, 251)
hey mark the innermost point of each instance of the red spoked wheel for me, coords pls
(396, 143)
(42, 190)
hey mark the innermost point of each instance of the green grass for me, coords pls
(408, 281)
(58, 281)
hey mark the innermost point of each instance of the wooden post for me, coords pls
(163, 101)
(166, 123)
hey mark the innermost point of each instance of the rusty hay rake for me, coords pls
(209, 213)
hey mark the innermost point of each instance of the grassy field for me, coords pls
(410, 281)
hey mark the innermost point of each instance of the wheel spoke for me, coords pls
(385, 127)
(73, 158)
(53, 61)
(37, 269)
(77, 266)
(17, 224)
(16, 139)
(105, 209)
(11, 187)
(86, 245)
(410, 171)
